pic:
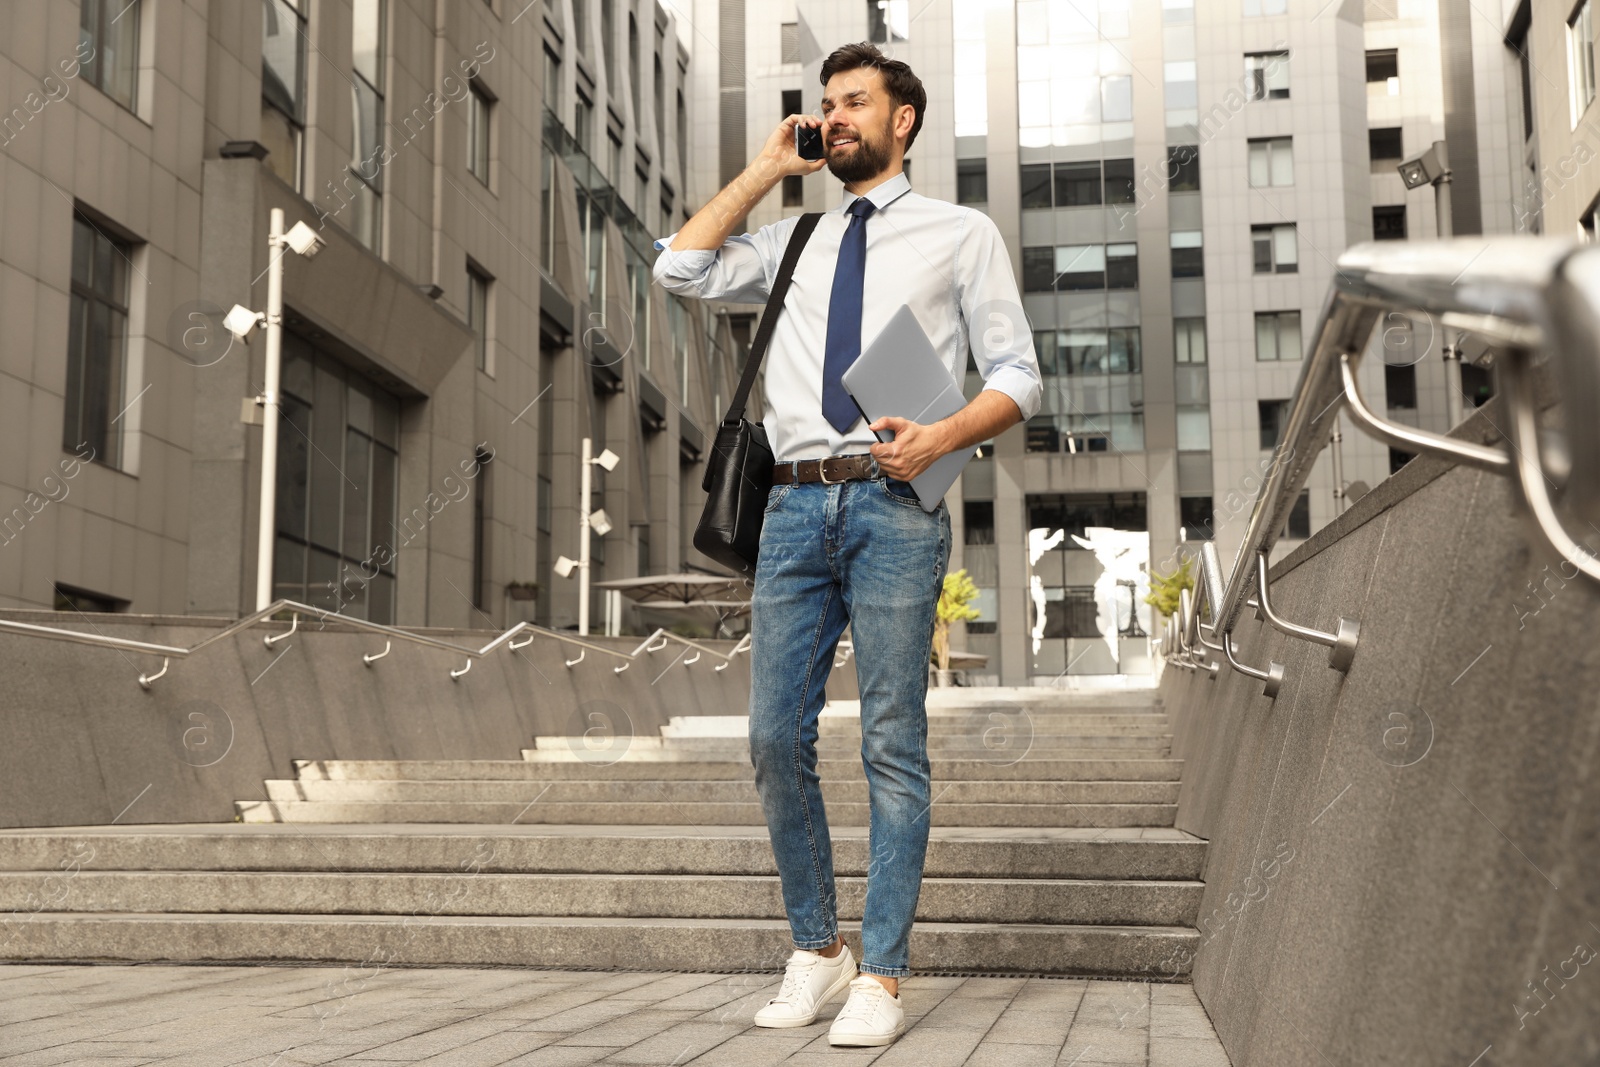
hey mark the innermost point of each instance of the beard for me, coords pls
(869, 159)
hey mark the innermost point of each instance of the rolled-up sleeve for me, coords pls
(997, 329)
(741, 271)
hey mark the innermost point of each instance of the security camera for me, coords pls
(608, 460)
(564, 566)
(304, 240)
(241, 320)
(600, 522)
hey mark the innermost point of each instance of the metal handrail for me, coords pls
(1525, 297)
(391, 633)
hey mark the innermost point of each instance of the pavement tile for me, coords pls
(628, 1029)
(1029, 1028)
(678, 1044)
(1187, 1052)
(990, 1054)
(931, 1046)
(763, 1048)
(1104, 1045)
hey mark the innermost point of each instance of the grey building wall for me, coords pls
(173, 529)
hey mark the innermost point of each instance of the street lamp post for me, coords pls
(267, 529)
(240, 321)
(595, 522)
(1433, 168)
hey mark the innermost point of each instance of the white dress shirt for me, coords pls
(947, 262)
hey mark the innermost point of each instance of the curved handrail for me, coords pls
(391, 633)
(1407, 438)
(1341, 643)
(1520, 293)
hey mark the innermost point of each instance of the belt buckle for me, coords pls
(822, 472)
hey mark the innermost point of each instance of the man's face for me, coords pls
(858, 125)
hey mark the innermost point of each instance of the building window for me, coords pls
(479, 108)
(794, 190)
(1271, 162)
(339, 536)
(478, 313)
(1580, 59)
(1077, 184)
(1254, 8)
(1277, 336)
(1188, 255)
(547, 208)
(1389, 223)
(1122, 266)
(97, 342)
(482, 537)
(789, 42)
(1398, 459)
(82, 601)
(580, 24)
(1183, 168)
(683, 144)
(608, 44)
(615, 171)
(1080, 267)
(1036, 185)
(283, 86)
(977, 522)
(1116, 98)
(1194, 428)
(1274, 417)
(1384, 148)
(1189, 340)
(888, 21)
(583, 124)
(972, 181)
(1400, 385)
(1298, 528)
(658, 103)
(1276, 249)
(1094, 351)
(1383, 68)
(366, 162)
(1119, 181)
(1194, 514)
(791, 103)
(111, 29)
(552, 81)
(592, 233)
(1267, 75)
(633, 70)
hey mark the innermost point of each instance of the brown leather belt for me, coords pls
(827, 471)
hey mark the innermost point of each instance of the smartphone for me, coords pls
(808, 142)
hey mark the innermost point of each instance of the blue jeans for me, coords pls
(866, 554)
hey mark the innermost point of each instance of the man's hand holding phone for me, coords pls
(783, 148)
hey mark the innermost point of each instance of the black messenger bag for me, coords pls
(739, 471)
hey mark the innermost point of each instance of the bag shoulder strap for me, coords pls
(769, 318)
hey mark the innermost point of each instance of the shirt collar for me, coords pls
(883, 194)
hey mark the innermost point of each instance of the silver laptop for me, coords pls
(899, 374)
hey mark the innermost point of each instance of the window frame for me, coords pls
(1580, 59)
(92, 70)
(1269, 150)
(480, 131)
(480, 313)
(1272, 232)
(1278, 323)
(1258, 66)
(89, 295)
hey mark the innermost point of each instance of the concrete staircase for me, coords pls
(1052, 851)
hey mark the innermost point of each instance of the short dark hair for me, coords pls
(904, 86)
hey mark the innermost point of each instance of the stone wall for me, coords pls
(81, 742)
(1405, 861)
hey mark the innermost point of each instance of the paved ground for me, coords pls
(282, 1016)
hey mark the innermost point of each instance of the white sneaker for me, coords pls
(870, 1017)
(809, 981)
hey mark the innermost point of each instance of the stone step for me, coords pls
(601, 790)
(674, 813)
(626, 749)
(976, 722)
(735, 768)
(1014, 743)
(959, 900)
(595, 943)
(1068, 853)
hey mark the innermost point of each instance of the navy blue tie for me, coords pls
(844, 317)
